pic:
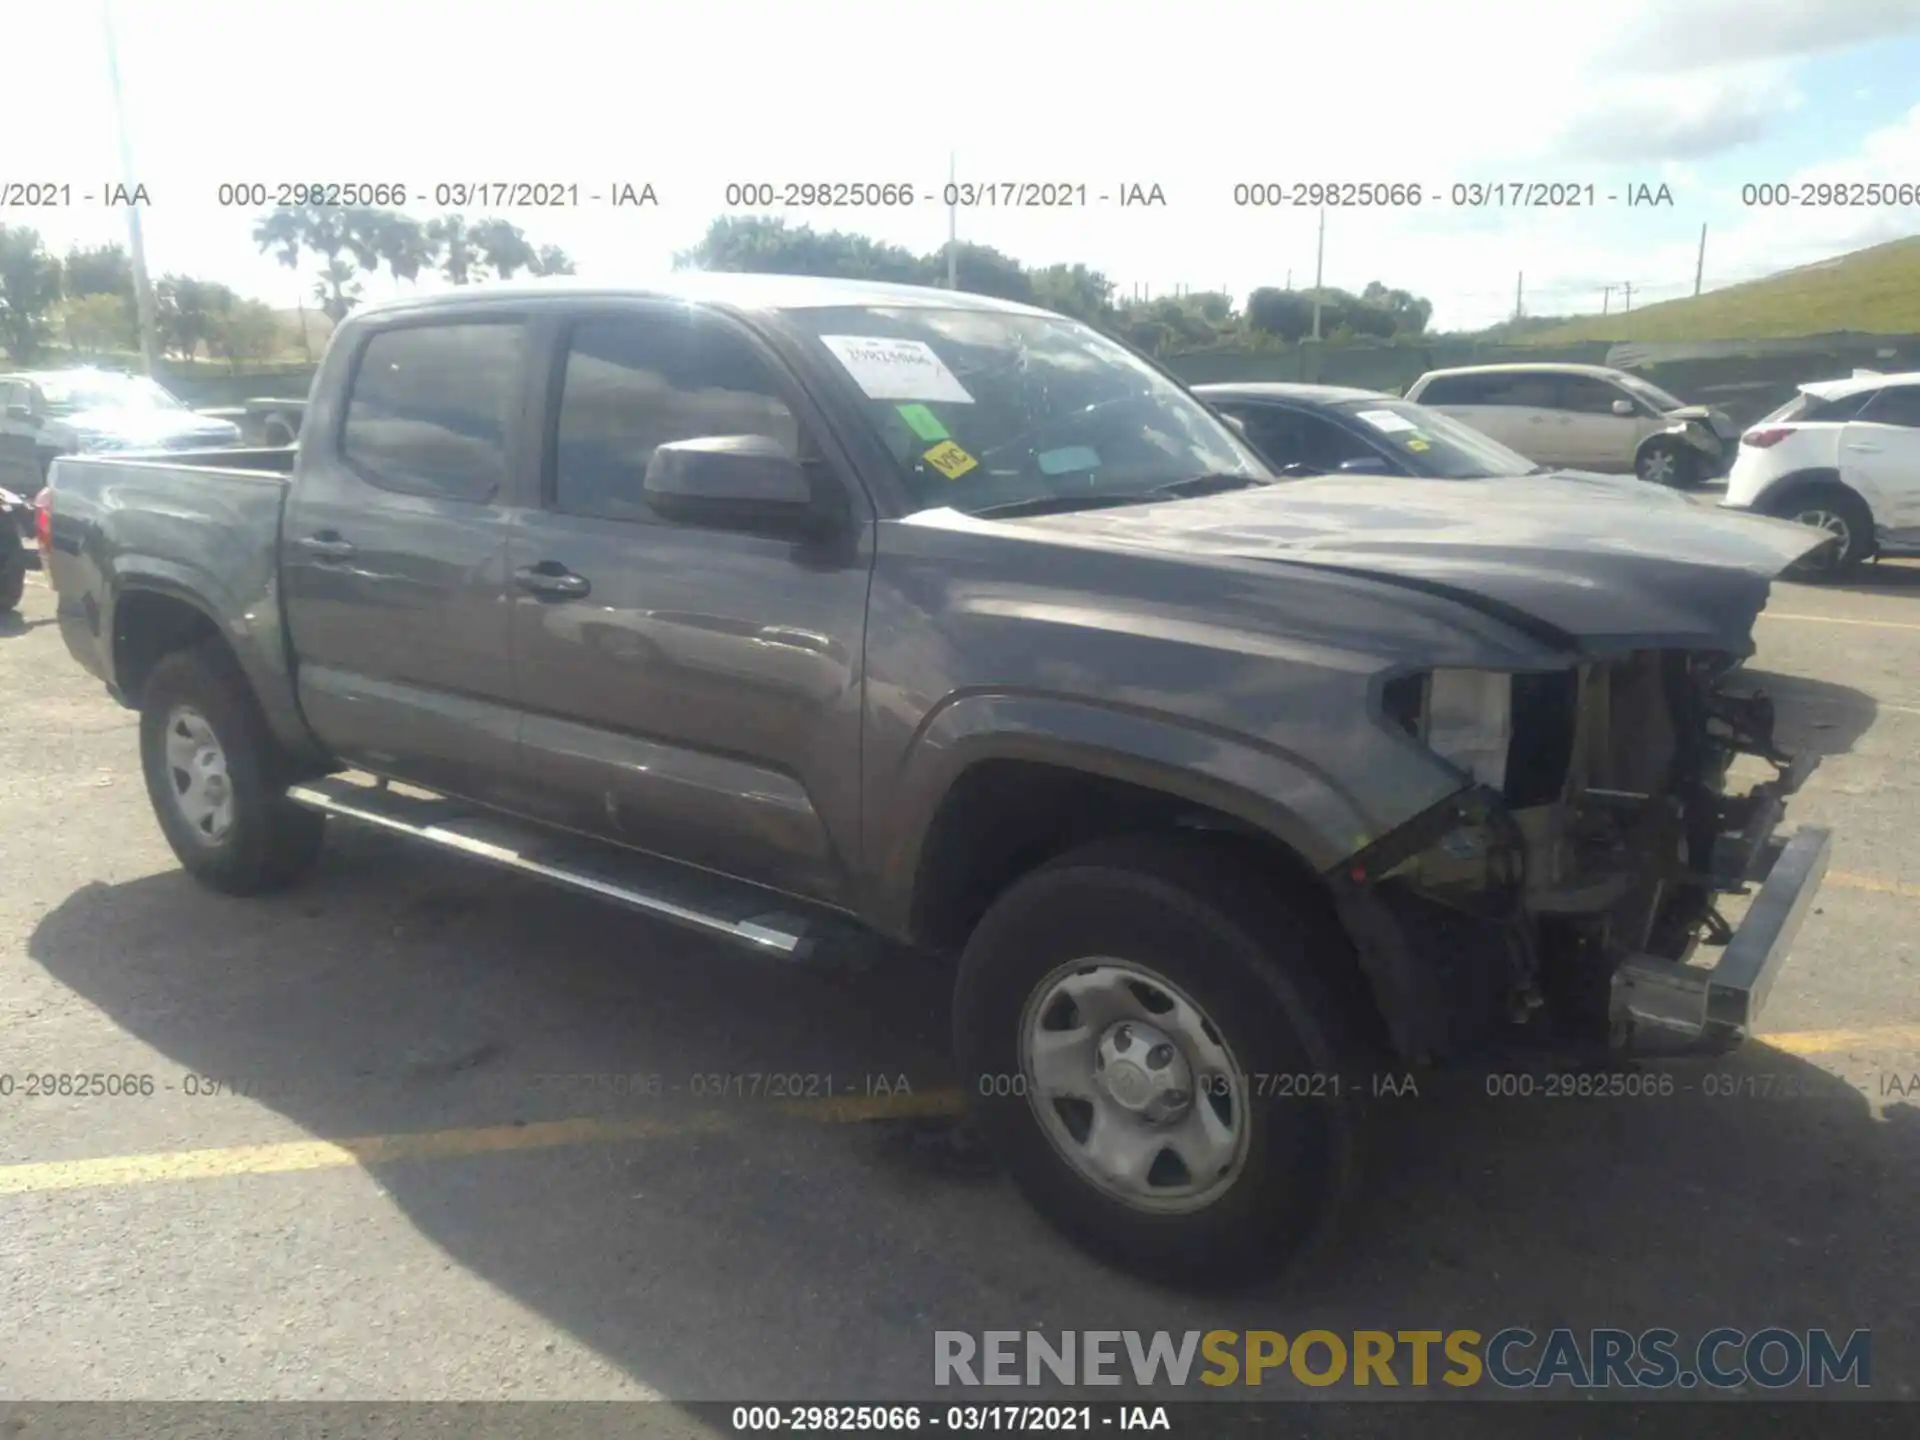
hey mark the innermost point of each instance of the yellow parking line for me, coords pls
(297, 1155)
(1840, 620)
(1846, 881)
(1828, 1042)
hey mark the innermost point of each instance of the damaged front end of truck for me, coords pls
(1580, 886)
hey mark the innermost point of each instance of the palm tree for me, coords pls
(505, 248)
(453, 247)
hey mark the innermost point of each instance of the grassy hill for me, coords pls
(1876, 291)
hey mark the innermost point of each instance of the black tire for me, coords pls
(13, 573)
(277, 431)
(270, 842)
(1669, 463)
(1845, 515)
(1263, 970)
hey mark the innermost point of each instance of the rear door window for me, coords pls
(432, 407)
(1585, 395)
(1895, 405)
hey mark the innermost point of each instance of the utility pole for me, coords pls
(1289, 279)
(1606, 297)
(1700, 265)
(142, 286)
(1319, 270)
(1627, 286)
(1519, 286)
(953, 222)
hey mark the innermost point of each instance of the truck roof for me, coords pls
(740, 291)
(1285, 390)
(1552, 367)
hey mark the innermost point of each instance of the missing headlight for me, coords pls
(1469, 721)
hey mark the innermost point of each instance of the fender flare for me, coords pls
(1279, 794)
(261, 656)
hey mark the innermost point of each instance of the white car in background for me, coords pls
(1843, 455)
(1585, 417)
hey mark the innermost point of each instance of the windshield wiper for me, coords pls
(1056, 504)
(1209, 484)
(1212, 483)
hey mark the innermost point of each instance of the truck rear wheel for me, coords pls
(211, 767)
(1149, 1046)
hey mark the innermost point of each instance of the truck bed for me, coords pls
(201, 525)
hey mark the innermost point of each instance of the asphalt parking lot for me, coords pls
(416, 1131)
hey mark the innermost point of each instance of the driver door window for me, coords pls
(1595, 435)
(632, 385)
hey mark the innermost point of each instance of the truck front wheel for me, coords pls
(211, 766)
(1150, 1047)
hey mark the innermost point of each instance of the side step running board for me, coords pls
(661, 888)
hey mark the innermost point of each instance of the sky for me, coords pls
(1704, 97)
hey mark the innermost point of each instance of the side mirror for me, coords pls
(1623, 407)
(1238, 425)
(1363, 465)
(19, 411)
(733, 482)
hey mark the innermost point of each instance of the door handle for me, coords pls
(327, 546)
(550, 578)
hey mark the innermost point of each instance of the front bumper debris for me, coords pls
(1665, 1005)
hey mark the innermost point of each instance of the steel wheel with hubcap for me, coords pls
(201, 790)
(1134, 1086)
(1158, 1045)
(215, 776)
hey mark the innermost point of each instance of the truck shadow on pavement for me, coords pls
(781, 1256)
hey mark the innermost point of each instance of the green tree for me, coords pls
(552, 260)
(246, 330)
(294, 232)
(29, 288)
(190, 311)
(1075, 290)
(503, 248)
(100, 323)
(1285, 313)
(386, 238)
(338, 288)
(771, 246)
(455, 251)
(99, 270)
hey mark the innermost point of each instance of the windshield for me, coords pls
(1434, 444)
(1652, 393)
(982, 409)
(70, 394)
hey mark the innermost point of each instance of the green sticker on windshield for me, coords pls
(923, 422)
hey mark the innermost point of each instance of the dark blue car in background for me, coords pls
(1330, 429)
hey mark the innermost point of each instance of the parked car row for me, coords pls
(1842, 455)
(45, 414)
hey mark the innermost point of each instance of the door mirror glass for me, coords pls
(737, 482)
(1623, 407)
(19, 411)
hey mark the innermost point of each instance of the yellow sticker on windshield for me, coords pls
(1418, 445)
(950, 460)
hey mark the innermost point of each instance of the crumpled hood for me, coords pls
(1591, 562)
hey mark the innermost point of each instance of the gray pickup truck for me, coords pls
(809, 613)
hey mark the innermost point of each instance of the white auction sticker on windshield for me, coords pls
(897, 369)
(1386, 420)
